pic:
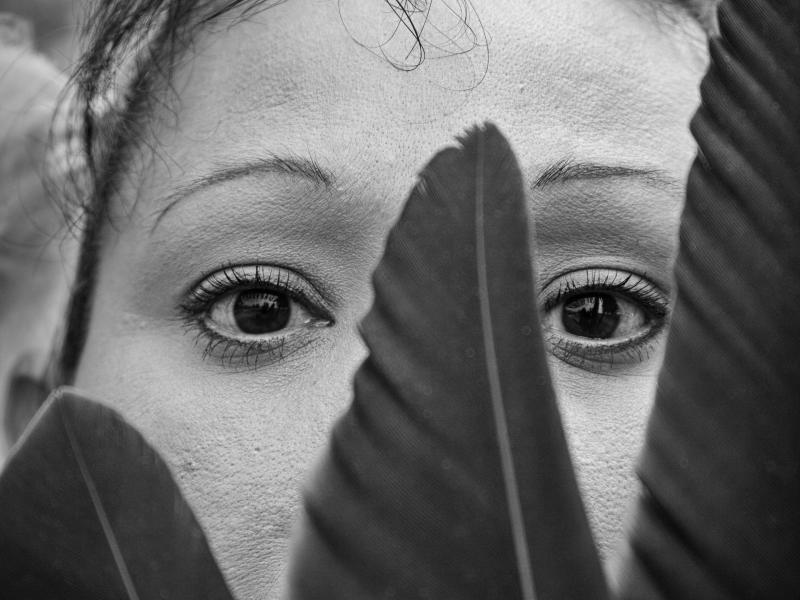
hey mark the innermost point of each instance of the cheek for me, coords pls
(605, 417)
(240, 444)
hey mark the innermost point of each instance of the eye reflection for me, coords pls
(259, 311)
(603, 317)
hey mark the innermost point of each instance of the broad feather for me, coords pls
(89, 510)
(720, 512)
(449, 476)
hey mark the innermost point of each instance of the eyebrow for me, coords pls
(296, 166)
(567, 169)
(560, 172)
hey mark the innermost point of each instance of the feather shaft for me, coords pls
(89, 510)
(100, 511)
(495, 388)
(449, 477)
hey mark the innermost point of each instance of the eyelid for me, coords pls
(639, 286)
(235, 277)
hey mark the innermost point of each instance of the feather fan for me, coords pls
(449, 476)
(720, 512)
(89, 510)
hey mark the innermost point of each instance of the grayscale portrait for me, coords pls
(402, 299)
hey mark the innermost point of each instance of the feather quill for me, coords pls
(89, 510)
(449, 476)
(720, 513)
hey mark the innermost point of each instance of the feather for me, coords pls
(449, 476)
(89, 510)
(719, 516)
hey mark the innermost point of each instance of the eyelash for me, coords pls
(632, 287)
(232, 352)
(253, 353)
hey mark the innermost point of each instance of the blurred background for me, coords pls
(38, 46)
(54, 23)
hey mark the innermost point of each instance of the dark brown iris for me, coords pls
(593, 315)
(261, 311)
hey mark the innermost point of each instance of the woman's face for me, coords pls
(238, 265)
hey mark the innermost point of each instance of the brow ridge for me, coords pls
(292, 165)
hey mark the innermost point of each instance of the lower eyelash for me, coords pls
(584, 355)
(241, 356)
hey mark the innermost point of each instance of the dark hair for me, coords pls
(130, 48)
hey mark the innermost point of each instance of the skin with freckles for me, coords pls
(273, 180)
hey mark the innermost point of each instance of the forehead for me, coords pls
(569, 77)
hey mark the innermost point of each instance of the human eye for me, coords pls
(253, 315)
(598, 318)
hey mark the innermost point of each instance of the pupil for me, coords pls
(260, 311)
(592, 315)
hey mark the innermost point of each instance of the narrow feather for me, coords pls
(99, 509)
(721, 469)
(89, 510)
(495, 385)
(449, 476)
